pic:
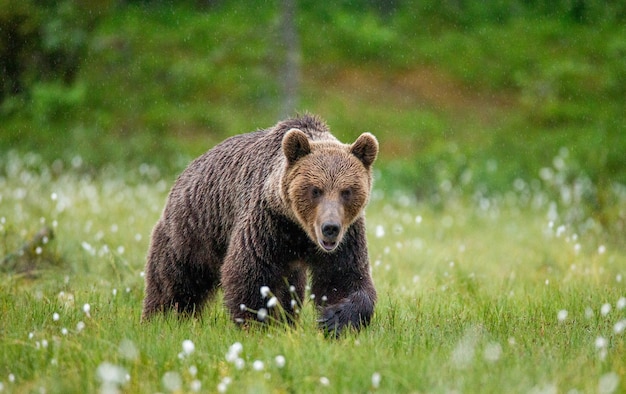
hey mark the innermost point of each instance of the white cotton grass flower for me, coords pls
(195, 386)
(376, 380)
(601, 343)
(87, 309)
(380, 231)
(258, 365)
(608, 383)
(233, 353)
(112, 376)
(193, 370)
(172, 381)
(464, 351)
(605, 309)
(88, 248)
(620, 326)
(265, 291)
(261, 314)
(55, 316)
(80, 326)
(562, 315)
(621, 303)
(128, 350)
(236, 347)
(324, 381)
(577, 248)
(66, 299)
(222, 386)
(188, 347)
(492, 352)
(280, 361)
(272, 302)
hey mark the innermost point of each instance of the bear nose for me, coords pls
(330, 230)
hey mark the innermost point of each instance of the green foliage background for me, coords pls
(474, 94)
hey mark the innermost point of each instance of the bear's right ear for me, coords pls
(295, 145)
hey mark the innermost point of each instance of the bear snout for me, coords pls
(330, 235)
(331, 230)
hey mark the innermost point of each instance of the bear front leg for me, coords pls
(249, 268)
(342, 285)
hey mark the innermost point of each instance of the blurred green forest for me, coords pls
(465, 97)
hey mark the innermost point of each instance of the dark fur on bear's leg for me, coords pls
(271, 260)
(183, 286)
(344, 292)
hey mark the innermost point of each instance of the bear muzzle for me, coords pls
(330, 235)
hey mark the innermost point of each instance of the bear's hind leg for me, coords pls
(195, 282)
(179, 280)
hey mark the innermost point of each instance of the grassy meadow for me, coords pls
(476, 295)
(496, 224)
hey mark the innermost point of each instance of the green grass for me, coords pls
(470, 292)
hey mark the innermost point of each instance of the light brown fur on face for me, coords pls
(328, 187)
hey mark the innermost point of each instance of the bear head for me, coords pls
(326, 184)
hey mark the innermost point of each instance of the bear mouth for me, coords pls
(328, 245)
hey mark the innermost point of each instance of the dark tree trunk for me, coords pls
(290, 78)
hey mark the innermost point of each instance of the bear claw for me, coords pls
(335, 319)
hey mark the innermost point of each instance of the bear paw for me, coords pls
(335, 318)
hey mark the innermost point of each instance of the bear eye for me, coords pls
(346, 194)
(316, 192)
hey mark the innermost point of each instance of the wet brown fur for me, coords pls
(259, 209)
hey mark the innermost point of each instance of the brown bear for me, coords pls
(258, 210)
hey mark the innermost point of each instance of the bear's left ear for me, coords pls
(295, 145)
(365, 148)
